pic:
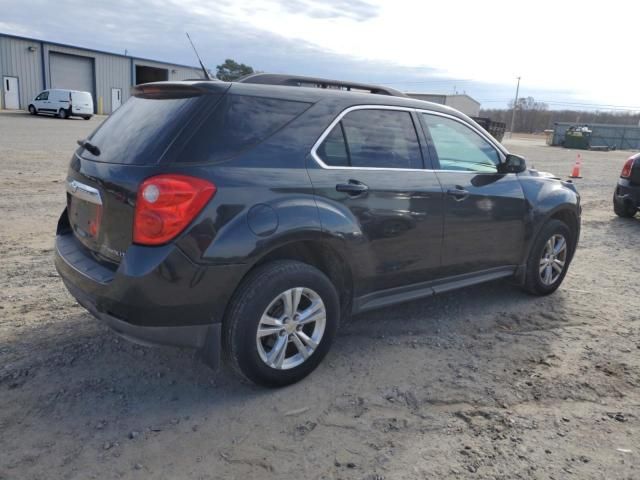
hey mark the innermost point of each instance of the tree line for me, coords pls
(533, 116)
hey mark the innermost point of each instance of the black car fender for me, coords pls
(547, 200)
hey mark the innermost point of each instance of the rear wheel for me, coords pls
(281, 323)
(87, 117)
(623, 209)
(549, 258)
(62, 113)
(32, 110)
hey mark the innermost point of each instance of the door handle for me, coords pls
(458, 193)
(353, 188)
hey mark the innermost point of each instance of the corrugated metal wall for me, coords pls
(110, 70)
(621, 137)
(175, 72)
(464, 103)
(17, 61)
(429, 97)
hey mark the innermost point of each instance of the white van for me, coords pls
(63, 103)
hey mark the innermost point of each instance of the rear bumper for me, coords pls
(192, 336)
(627, 193)
(155, 296)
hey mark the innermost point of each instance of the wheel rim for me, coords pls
(553, 259)
(291, 328)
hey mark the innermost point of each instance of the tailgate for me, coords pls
(127, 148)
(101, 205)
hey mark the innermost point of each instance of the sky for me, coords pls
(576, 55)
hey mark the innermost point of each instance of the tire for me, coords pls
(62, 113)
(264, 292)
(87, 117)
(623, 210)
(542, 260)
(32, 110)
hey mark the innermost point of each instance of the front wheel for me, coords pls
(281, 323)
(32, 110)
(549, 258)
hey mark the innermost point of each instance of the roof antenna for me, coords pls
(204, 70)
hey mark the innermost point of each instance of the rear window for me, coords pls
(81, 96)
(140, 131)
(238, 123)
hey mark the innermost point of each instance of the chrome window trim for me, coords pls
(342, 114)
(84, 192)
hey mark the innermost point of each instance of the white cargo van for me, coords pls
(63, 103)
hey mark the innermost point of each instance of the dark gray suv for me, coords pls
(252, 218)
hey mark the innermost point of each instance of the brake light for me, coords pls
(626, 169)
(166, 204)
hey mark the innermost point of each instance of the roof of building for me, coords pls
(66, 45)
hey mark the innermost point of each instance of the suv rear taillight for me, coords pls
(626, 170)
(166, 204)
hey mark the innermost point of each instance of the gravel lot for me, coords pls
(486, 382)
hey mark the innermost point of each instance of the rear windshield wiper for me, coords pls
(86, 144)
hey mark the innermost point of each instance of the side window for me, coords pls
(381, 139)
(43, 96)
(333, 151)
(459, 147)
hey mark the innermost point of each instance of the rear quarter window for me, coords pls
(238, 123)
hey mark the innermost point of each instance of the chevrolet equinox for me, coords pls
(250, 219)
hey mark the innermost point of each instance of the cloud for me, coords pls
(358, 10)
(342, 39)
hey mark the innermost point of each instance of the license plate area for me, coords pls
(85, 210)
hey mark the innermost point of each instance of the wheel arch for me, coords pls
(566, 213)
(321, 253)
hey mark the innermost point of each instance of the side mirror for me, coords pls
(513, 164)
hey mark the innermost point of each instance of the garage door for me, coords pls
(71, 72)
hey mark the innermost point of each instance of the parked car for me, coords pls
(63, 103)
(626, 198)
(252, 219)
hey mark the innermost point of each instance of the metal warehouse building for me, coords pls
(28, 66)
(463, 102)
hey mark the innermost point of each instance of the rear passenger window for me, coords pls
(373, 139)
(238, 123)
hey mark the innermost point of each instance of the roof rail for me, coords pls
(314, 82)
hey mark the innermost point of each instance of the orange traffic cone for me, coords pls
(575, 173)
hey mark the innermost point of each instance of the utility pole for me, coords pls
(513, 113)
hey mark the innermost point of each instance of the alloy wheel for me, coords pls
(291, 328)
(553, 260)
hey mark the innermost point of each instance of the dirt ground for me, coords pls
(486, 382)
